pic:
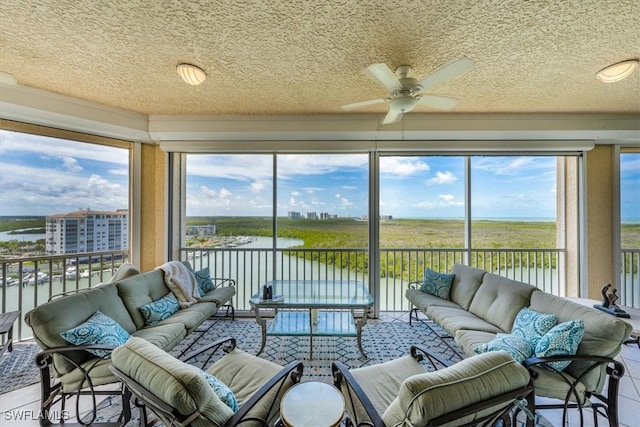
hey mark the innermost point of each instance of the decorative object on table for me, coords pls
(609, 298)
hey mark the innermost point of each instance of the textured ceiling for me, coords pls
(308, 57)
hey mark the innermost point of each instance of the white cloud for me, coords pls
(344, 202)
(443, 178)
(224, 193)
(119, 171)
(402, 167)
(258, 186)
(60, 148)
(207, 191)
(446, 197)
(71, 164)
(295, 193)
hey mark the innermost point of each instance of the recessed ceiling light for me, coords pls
(191, 74)
(618, 71)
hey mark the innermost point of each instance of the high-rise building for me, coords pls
(87, 231)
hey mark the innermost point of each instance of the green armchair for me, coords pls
(180, 395)
(478, 391)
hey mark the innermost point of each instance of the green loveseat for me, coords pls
(482, 305)
(68, 370)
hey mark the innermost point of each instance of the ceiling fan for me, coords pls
(407, 92)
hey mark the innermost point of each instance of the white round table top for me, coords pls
(312, 403)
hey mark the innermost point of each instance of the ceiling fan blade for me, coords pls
(394, 115)
(363, 104)
(384, 75)
(438, 101)
(448, 72)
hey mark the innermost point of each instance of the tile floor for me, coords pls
(20, 407)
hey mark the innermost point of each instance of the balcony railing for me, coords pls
(252, 267)
(629, 289)
(29, 281)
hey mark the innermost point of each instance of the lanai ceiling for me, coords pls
(309, 57)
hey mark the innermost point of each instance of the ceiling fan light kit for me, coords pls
(406, 92)
(617, 72)
(191, 74)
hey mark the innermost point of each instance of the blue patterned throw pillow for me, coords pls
(160, 309)
(99, 329)
(205, 284)
(532, 325)
(438, 284)
(562, 339)
(517, 347)
(222, 391)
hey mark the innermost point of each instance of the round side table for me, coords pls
(312, 403)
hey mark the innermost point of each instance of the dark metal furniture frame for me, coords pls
(6, 327)
(355, 393)
(606, 406)
(52, 393)
(169, 416)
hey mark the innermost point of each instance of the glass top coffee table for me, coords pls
(314, 308)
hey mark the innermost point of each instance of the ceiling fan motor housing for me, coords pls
(404, 103)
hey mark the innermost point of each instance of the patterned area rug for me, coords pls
(18, 369)
(381, 340)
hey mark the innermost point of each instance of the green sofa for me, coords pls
(482, 305)
(67, 370)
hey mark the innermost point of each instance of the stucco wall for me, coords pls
(152, 208)
(599, 219)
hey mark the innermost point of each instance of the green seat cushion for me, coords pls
(220, 296)
(424, 397)
(466, 282)
(180, 385)
(48, 320)
(192, 316)
(499, 300)
(165, 336)
(141, 289)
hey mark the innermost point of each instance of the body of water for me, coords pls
(26, 237)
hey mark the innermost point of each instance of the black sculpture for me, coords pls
(609, 298)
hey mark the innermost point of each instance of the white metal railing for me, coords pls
(252, 267)
(26, 282)
(629, 288)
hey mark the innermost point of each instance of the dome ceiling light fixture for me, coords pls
(617, 72)
(191, 74)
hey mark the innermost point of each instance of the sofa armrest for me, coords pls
(614, 371)
(292, 372)
(212, 347)
(421, 353)
(414, 284)
(354, 396)
(223, 281)
(52, 389)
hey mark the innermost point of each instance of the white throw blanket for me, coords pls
(182, 282)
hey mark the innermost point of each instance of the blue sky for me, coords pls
(411, 187)
(44, 176)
